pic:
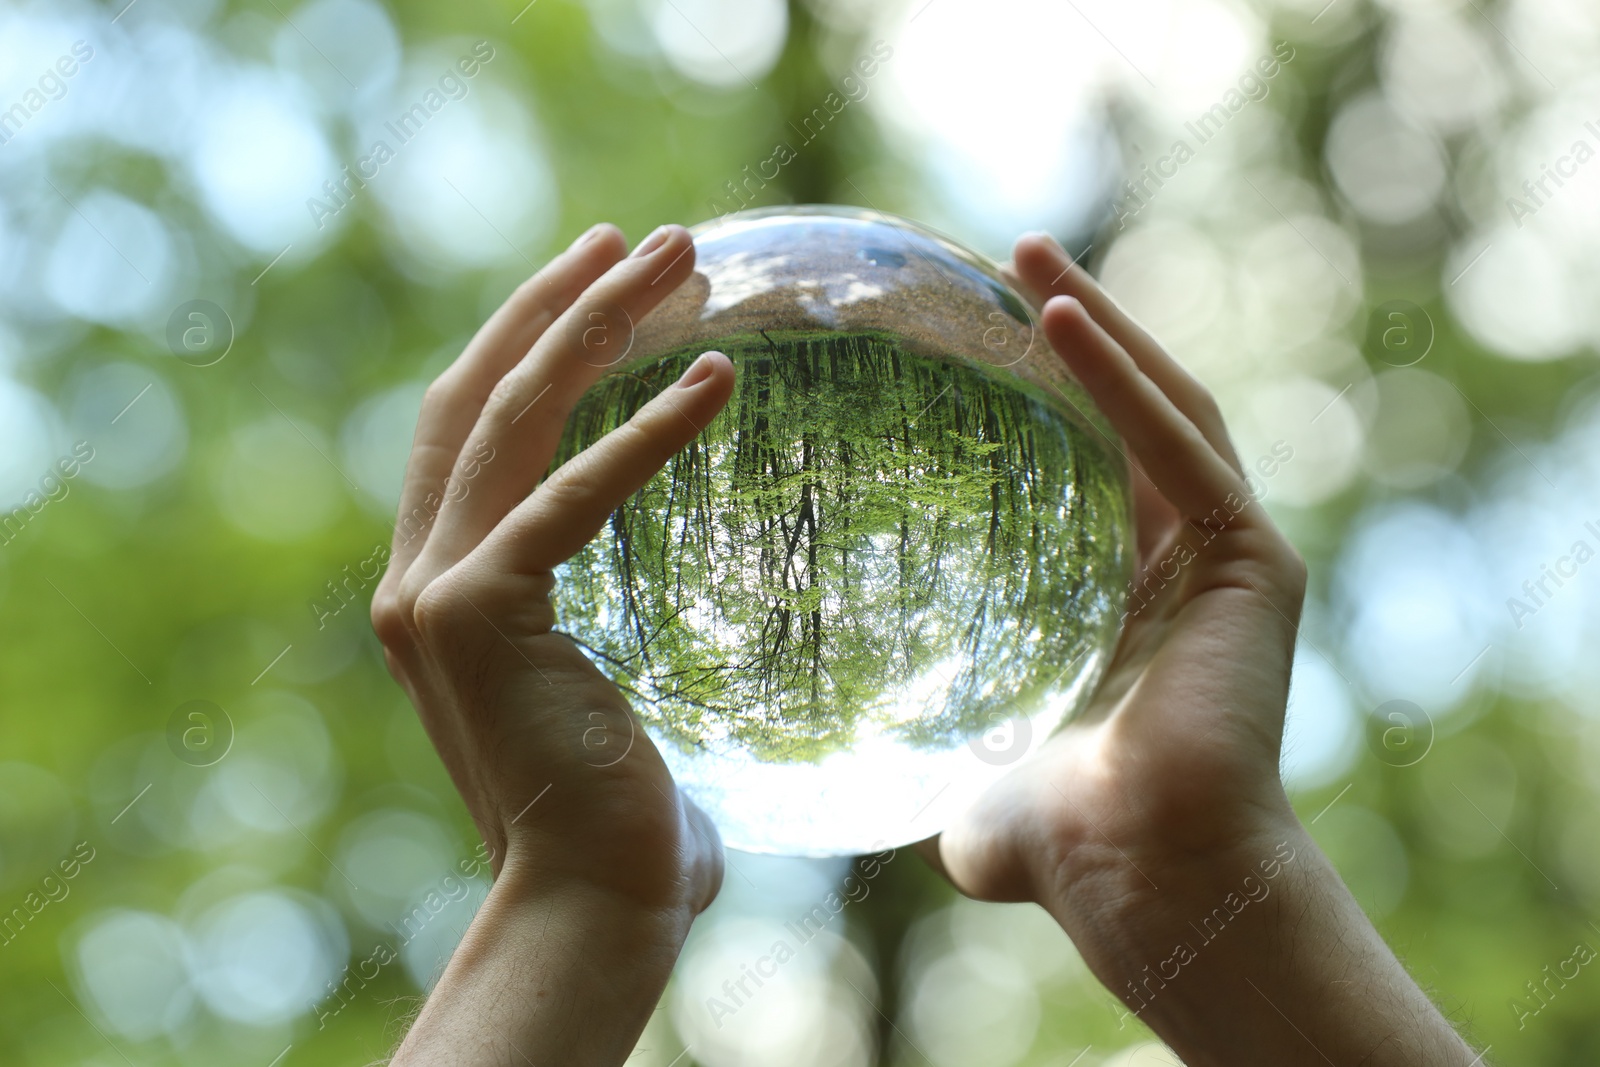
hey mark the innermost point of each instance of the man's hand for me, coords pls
(600, 863)
(1135, 824)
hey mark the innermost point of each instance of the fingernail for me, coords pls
(587, 235)
(657, 238)
(1050, 239)
(698, 372)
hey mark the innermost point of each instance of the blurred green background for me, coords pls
(1377, 243)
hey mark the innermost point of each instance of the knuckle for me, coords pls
(405, 603)
(437, 608)
(643, 428)
(570, 488)
(1206, 405)
(439, 395)
(388, 620)
(529, 293)
(504, 395)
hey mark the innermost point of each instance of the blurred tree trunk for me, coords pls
(800, 84)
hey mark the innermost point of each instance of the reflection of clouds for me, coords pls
(814, 298)
(740, 275)
(794, 246)
(853, 289)
(875, 791)
(917, 699)
(824, 296)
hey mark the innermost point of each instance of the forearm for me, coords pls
(1277, 970)
(547, 974)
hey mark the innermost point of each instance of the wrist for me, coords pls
(543, 960)
(527, 886)
(1241, 885)
(1132, 876)
(646, 851)
(1260, 954)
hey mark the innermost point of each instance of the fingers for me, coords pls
(453, 403)
(1044, 266)
(567, 511)
(1179, 460)
(521, 424)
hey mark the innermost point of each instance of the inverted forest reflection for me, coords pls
(866, 543)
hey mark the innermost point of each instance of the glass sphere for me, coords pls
(893, 564)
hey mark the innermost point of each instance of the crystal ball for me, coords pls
(893, 564)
